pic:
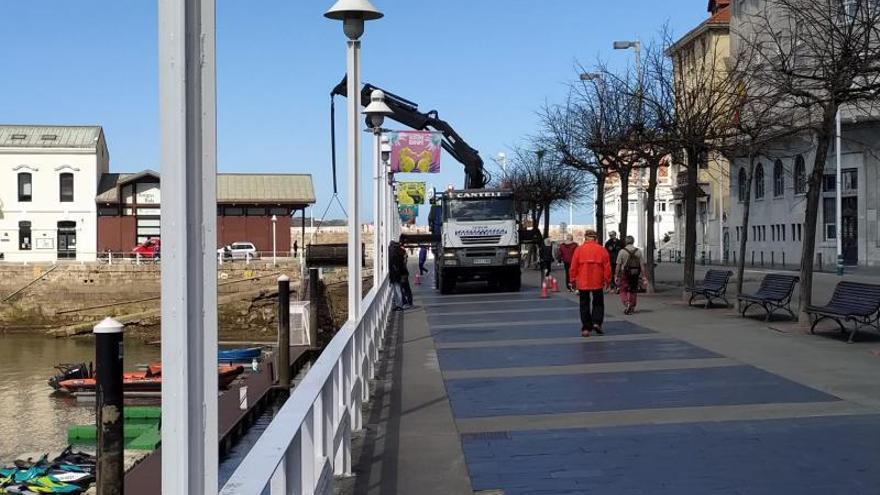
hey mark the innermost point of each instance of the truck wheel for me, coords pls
(514, 281)
(447, 283)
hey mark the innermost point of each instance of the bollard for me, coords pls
(659, 256)
(840, 265)
(783, 259)
(753, 257)
(734, 257)
(703, 258)
(819, 258)
(108, 407)
(247, 258)
(109, 257)
(313, 307)
(762, 258)
(137, 259)
(283, 364)
(772, 258)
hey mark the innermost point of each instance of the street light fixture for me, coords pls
(376, 112)
(353, 13)
(640, 202)
(274, 239)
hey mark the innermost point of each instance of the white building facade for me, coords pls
(48, 182)
(636, 225)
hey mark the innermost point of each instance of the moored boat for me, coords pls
(142, 381)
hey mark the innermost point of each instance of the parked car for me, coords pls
(151, 248)
(239, 251)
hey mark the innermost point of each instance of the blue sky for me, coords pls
(485, 65)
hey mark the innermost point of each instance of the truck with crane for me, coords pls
(475, 232)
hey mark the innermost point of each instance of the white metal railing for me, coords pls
(309, 440)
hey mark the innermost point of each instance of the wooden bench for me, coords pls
(851, 301)
(713, 286)
(773, 294)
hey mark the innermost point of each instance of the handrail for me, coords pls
(309, 439)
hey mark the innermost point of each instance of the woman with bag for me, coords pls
(630, 275)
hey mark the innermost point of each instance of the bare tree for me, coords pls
(821, 55)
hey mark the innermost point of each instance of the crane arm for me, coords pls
(407, 113)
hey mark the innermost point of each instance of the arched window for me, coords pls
(759, 181)
(778, 179)
(65, 187)
(800, 175)
(25, 187)
(743, 185)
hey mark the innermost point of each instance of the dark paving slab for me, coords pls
(470, 307)
(476, 333)
(552, 394)
(586, 352)
(767, 457)
(535, 314)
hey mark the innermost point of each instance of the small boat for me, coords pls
(141, 381)
(242, 354)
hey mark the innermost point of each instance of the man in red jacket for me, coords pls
(565, 255)
(591, 273)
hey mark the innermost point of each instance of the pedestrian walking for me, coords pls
(591, 273)
(546, 258)
(394, 275)
(405, 289)
(630, 274)
(613, 245)
(565, 255)
(295, 249)
(423, 256)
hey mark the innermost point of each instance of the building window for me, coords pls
(233, 211)
(256, 212)
(782, 229)
(25, 187)
(279, 211)
(24, 235)
(778, 179)
(800, 175)
(65, 186)
(829, 218)
(829, 183)
(850, 179)
(743, 185)
(108, 211)
(759, 181)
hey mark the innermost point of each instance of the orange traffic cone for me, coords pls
(554, 284)
(544, 294)
(418, 279)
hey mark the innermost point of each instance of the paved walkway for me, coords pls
(498, 394)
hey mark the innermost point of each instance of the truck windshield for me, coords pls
(480, 209)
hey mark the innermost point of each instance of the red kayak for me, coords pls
(147, 381)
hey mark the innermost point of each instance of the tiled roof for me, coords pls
(49, 136)
(231, 188)
(720, 17)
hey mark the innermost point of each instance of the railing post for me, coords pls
(313, 306)
(283, 363)
(108, 407)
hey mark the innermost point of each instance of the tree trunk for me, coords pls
(823, 144)
(690, 217)
(546, 221)
(600, 206)
(744, 237)
(623, 174)
(650, 238)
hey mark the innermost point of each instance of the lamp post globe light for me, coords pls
(376, 112)
(353, 14)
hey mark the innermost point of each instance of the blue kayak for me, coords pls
(239, 354)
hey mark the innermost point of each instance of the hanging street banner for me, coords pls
(415, 151)
(410, 193)
(408, 214)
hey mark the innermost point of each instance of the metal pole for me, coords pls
(839, 200)
(108, 407)
(377, 192)
(354, 180)
(721, 218)
(274, 240)
(188, 143)
(283, 363)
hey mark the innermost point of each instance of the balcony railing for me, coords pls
(309, 440)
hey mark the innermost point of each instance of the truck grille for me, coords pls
(480, 253)
(482, 239)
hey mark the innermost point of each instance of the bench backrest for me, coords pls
(777, 286)
(856, 298)
(717, 278)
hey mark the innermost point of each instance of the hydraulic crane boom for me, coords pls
(407, 113)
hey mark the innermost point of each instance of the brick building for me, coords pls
(128, 208)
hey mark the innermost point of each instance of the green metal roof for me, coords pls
(49, 136)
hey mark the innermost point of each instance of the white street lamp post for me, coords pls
(838, 199)
(274, 239)
(353, 13)
(640, 205)
(384, 207)
(376, 112)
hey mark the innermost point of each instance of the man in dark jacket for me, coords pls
(613, 245)
(566, 252)
(394, 263)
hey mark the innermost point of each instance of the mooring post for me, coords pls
(313, 307)
(283, 363)
(108, 406)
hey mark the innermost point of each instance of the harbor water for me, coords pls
(33, 420)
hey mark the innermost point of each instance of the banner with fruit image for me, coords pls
(408, 214)
(410, 193)
(415, 151)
